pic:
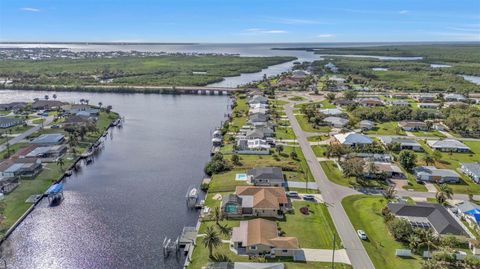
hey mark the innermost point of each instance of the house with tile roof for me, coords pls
(261, 237)
(255, 201)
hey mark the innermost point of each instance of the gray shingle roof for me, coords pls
(436, 214)
(266, 173)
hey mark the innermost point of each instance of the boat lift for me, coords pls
(55, 193)
(170, 246)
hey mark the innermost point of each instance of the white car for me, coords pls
(362, 234)
(291, 194)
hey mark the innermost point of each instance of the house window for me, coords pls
(253, 247)
(284, 250)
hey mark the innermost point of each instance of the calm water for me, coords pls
(118, 210)
(473, 79)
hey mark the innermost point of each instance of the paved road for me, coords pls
(332, 195)
(24, 135)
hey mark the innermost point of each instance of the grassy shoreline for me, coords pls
(14, 205)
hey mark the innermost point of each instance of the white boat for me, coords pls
(193, 193)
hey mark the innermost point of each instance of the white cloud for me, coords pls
(403, 12)
(30, 9)
(325, 35)
(256, 31)
(292, 20)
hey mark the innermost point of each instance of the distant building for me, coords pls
(49, 139)
(366, 125)
(353, 139)
(433, 174)
(429, 105)
(20, 168)
(448, 145)
(410, 125)
(426, 97)
(7, 122)
(47, 104)
(370, 102)
(401, 103)
(454, 97)
(336, 122)
(386, 169)
(404, 142)
(331, 111)
(472, 170)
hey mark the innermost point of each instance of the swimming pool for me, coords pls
(241, 177)
(230, 208)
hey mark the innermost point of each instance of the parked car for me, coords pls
(309, 197)
(291, 194)
(55, 126)
(362, 234)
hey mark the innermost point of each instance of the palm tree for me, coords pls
(100, 104)
(390, 192)
(60, 162)
(414, 241)
(54, 96)
(46, 97)
(428, 159)
(444, 192)
(217, 215)
(211, 240)
(428, 239)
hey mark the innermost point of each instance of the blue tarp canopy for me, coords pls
(473, 211)
(55, 188)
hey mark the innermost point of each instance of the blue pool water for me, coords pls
(241, 177)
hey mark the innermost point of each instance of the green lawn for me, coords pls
(296, 98)
(313, 231)
(225, 182)
(320, 150)
(365, 214)
(307, 127)
(38, 121)
(318, 138)
(429, 134)
(335, 175)
(284, 133)
(386, 128)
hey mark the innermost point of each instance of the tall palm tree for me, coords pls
(100, 104)
(444, 192)
(211, 240)
(54, 96)
(217, 215)
(60, 162)
(428, 239)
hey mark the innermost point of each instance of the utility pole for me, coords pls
(333, 254)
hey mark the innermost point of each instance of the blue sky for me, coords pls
(240, 20)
